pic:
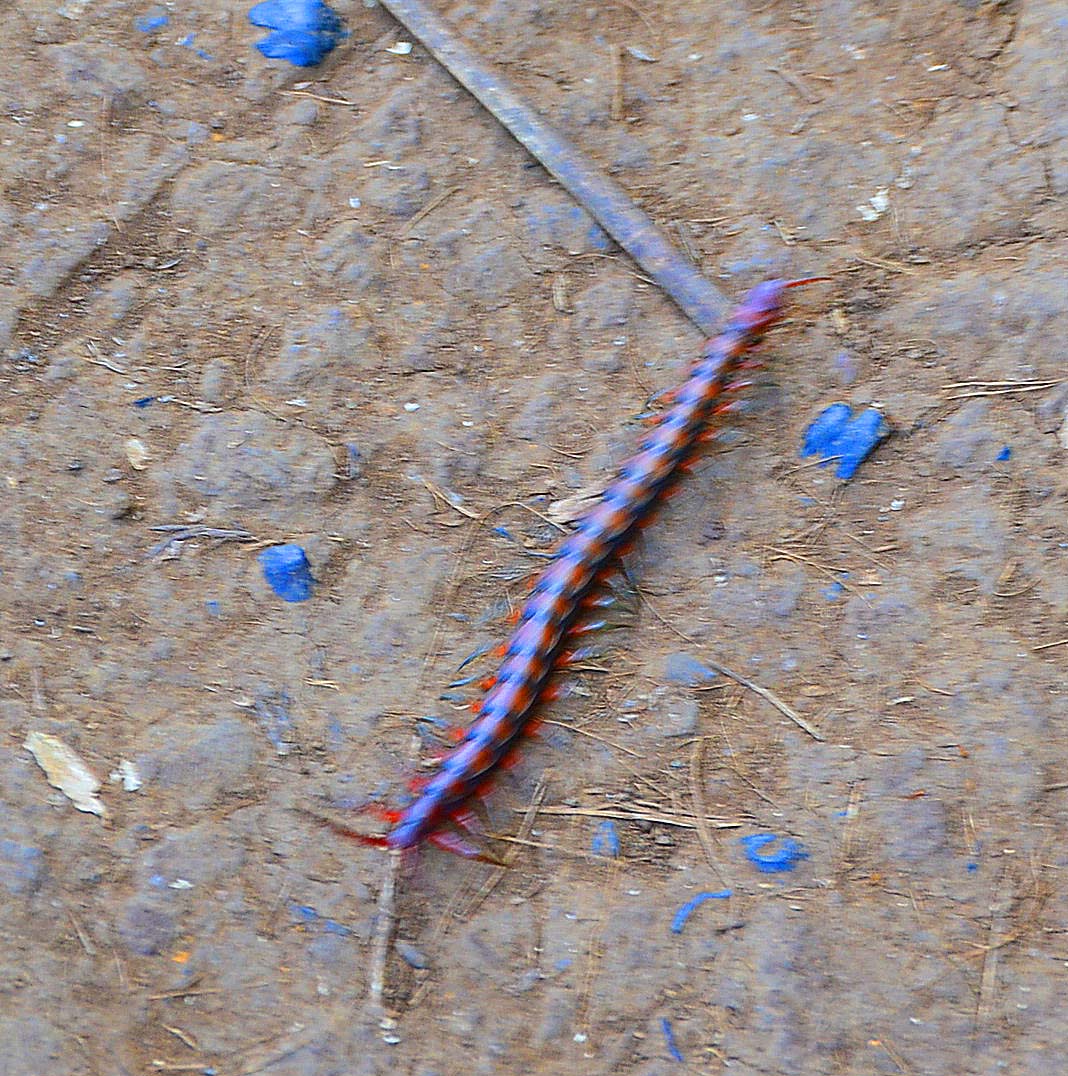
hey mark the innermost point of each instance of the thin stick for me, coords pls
(429, 208)
(385, 921)
(178, 532)
(635, 232)
(768, 696)
(999, 913)
(1047, 646)
(700, 810)
(617, 82)
(592, 735)
(656, 817)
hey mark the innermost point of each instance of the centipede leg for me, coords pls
(449, 841)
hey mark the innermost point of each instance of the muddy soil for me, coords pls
(340, 307)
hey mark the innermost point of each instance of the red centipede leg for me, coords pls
(448, 841)
(354, 835)
(466, 819)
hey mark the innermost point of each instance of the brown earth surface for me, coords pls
(341, 307)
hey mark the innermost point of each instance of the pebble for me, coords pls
(347, 253)
(54, 253)
(681, 668)
(411, 954)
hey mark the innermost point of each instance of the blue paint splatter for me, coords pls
(303, 913)
(669, 1039)
(1004, 454)
(144, 401)
(287, 571)
(332, 926)
(305, 32)
(687, 909)
(187, 42)
(838, 434)
(606, 840)
(306, 914)
(153, 20)
(784, 858)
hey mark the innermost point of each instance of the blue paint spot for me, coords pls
(688, 908)
(833, 592)
(972, 867)
(606, 840)
(287, 571)
(303, 913)
(152, 20)
(669, 1039)
(332, 926)
(784, 858)
(838, 434)
(187, 43)
(305, 32)
(1004, 454)
(144, 401)
(213, 607)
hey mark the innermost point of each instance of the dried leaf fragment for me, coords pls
(137, 453)
(66, 771)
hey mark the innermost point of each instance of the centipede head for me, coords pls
(763, 305)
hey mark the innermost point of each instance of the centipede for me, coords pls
(565, 599)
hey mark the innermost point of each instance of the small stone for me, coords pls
(411, 955)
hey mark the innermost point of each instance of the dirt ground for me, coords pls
(239, 295)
